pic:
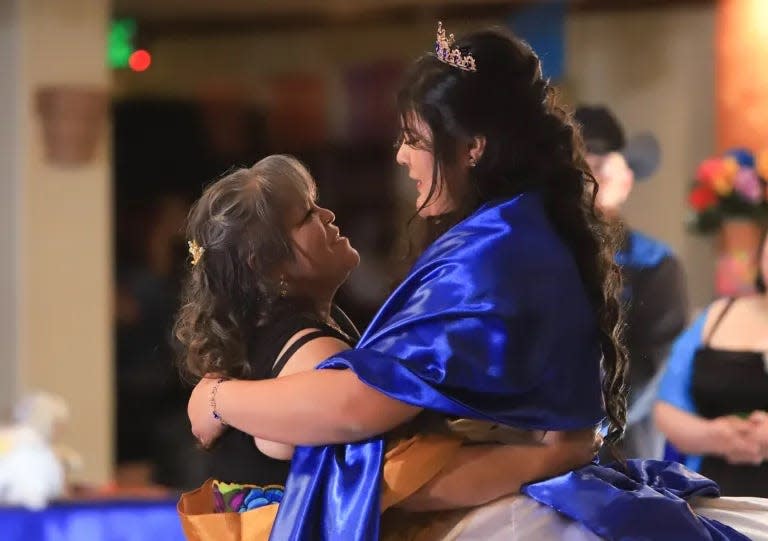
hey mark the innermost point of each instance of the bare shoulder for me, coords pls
(310, 354)
(753, 302)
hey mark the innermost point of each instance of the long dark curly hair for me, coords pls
(234, 288)
(759, 279)
(531, 144)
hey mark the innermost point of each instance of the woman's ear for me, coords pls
(476, 149)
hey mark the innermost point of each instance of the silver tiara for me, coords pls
(452, 57)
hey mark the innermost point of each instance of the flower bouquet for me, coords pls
(730, 197)
(729, 186)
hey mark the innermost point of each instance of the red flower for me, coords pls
(701, 198)
(708, 170)
(718, 173)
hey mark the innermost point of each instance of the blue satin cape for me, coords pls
(493, 322)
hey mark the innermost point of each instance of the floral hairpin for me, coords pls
(196, 251)
(452, 57)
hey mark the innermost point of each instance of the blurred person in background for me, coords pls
(654, 293)
(713, 397)
(152, 438)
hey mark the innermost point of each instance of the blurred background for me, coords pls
(116, 114)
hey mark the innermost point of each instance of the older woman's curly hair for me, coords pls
(239, 224)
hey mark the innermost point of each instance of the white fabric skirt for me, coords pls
(522, 518)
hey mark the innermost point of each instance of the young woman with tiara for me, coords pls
(258, 304)
(509, 316)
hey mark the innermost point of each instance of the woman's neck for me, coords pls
(323, 303)
(324, 310)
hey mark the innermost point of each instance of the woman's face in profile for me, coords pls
(322, 255)
(416, 154)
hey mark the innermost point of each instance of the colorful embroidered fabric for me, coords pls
(237, 498)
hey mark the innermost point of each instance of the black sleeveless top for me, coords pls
(731, 382)
(234, 457)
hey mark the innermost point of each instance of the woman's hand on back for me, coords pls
(496, 470)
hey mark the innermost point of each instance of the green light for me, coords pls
(120, 43)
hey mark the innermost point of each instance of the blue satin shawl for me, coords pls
(492, 322)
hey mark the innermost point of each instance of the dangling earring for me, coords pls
(283, 287)
(472, 162)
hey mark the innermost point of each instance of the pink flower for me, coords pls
(708, 169)
(219, 506)
(748, 185)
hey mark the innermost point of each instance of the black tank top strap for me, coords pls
(295, 346)
(719, 320)
(343, 321)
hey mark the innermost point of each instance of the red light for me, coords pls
(140, 60)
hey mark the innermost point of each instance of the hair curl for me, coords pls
(233, 290)
(531, 144)
(760, 285)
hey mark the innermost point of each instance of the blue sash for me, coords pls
(493, 323)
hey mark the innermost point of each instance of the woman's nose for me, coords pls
(402, 154)
(328, 216)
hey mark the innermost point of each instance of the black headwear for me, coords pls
(602, 134)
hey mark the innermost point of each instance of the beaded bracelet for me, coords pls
(215, 413)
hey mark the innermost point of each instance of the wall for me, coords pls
(9, 171)
(64, 232)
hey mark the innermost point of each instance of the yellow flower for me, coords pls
(722, 182)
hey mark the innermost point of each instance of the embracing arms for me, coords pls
(333, 406)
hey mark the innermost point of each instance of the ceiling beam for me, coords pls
(273, 23)
(182, 18)
(630, 5)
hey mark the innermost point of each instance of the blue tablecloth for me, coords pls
(93, 521)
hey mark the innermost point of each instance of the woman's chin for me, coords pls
(427, 212)
(356, 260)
(351, 257)
(437, 207)
(430, 212)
